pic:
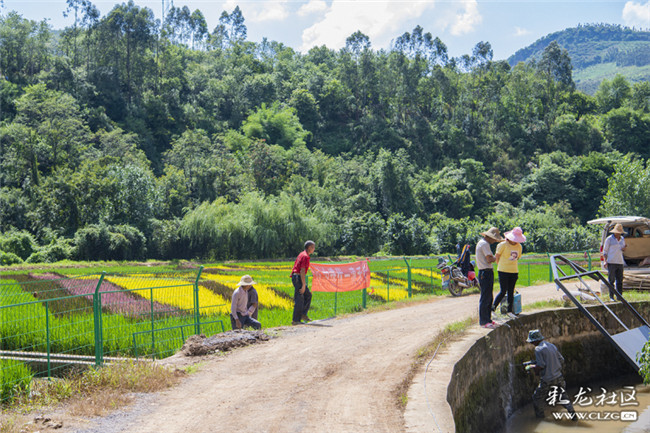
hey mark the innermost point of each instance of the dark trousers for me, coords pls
(246, 322)
(301, 303)
(541, 394)
(486, 281)
(615, 275)
(507, 282)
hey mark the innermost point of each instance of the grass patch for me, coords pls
(551, 303)
(632, 296)
(9, 423)
(93, 392)
(452, 332)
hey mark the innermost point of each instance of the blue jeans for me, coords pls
(486, 281)
(246, 322)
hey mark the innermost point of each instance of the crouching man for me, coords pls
(548, 363)
(240, 312)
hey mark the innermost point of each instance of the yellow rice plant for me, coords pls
(267, 296)
(398, 289)
(426, 273)
(174, 293)
(249, 266)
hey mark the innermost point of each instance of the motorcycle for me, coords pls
(453, 278)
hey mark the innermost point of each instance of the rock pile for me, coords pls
(198, 345)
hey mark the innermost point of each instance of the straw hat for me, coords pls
(516, 235)
(534, 335)
(246, 280)
(618, 229)
(493, 233)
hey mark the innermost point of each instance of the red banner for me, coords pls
(344, 277)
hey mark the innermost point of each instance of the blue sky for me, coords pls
(507, 25)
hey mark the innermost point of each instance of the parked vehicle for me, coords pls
(637, 239)
(453, 279)
(636, 254)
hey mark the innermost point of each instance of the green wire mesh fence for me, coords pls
(50, 323)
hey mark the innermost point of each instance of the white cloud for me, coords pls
(637, 14)
(314, 6)
(467, 19)
(520, 32)
(377, 19)
(255, 12)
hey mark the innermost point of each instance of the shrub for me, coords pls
(362, 235)
(20, 243)
(135, 245)
(103, 242)
(255, 227)
(407, 236)
(59, 249)
(9, 259)
(164, 240)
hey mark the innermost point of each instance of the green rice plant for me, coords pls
(15, 379)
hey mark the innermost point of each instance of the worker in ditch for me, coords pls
(548, 363)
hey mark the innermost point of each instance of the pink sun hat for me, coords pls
(515, 235)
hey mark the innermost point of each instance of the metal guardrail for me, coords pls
(629, 342)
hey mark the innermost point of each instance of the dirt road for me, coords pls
(338, 377)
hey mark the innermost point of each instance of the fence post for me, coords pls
(589, 259)
(550, 271)
(153, 327)
(47, 338)
(408, 269)
(387, 286)
(197, 315)
(364, 294)
(97, 316)
(336, 297)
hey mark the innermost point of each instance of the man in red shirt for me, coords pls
(301, 294)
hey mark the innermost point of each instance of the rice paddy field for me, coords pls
(51, 313)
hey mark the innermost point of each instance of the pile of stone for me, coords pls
(198, 345)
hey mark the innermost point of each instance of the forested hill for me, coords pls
(597, 51)
(121, 138)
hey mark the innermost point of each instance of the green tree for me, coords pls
(575, 136)
(613, 94)
(628, 191)
(276, 125)
(627, 130)
(23, 47)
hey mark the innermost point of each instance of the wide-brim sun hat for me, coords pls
(534, 335)
(618, 229)
(493, 233)
(246, 280)
(516, 235)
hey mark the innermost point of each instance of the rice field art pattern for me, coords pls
(124, 314)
